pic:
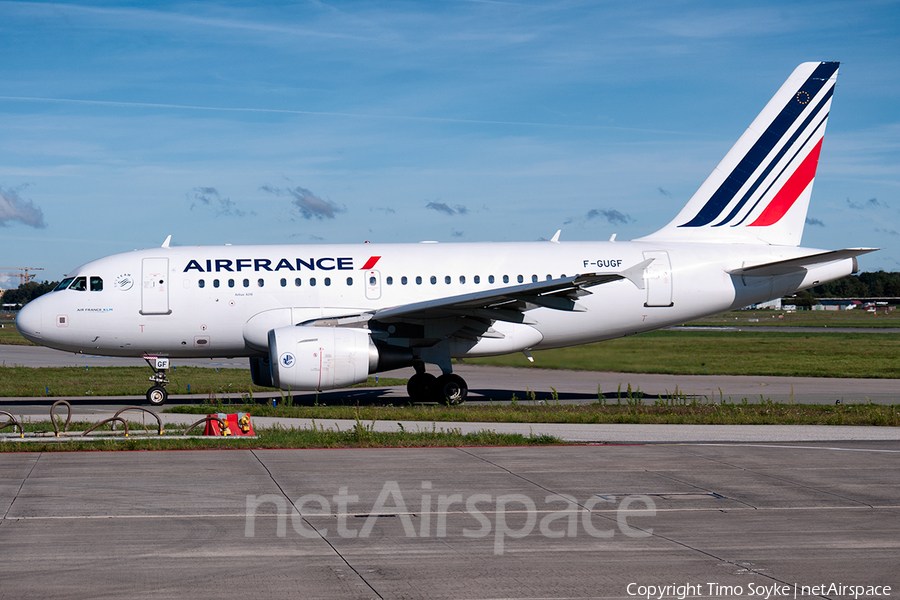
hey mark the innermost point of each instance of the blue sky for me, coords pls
(323, 122)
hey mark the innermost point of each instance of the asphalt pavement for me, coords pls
(623, 521)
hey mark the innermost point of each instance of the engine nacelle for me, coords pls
(320, 358)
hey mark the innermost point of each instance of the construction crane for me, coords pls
(24, 273)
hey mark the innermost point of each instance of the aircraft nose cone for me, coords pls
(28, 322)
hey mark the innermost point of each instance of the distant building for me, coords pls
(837, 304)
(771, 304)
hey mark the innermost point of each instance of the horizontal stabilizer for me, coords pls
(790, 265)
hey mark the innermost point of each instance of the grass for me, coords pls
(361, 435)
(803, 318)
(9, 335)
(726, 353)
(677, 409)
(133, 381)
(119, 381)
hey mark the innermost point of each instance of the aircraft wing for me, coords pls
(782, 267)
(499, 304)
(510, 303)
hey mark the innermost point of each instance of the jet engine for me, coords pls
(320, 358)
(324, 358)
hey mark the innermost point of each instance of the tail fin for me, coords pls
(760, 191)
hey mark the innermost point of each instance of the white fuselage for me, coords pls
(222, 301)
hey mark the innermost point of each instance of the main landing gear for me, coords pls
(449, 388)
(157, 394)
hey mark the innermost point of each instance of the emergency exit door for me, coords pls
(659, 279)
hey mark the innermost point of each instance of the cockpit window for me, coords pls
(64, 284)
(96, 284)
(79, 285)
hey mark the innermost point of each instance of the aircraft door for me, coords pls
(659, 279)
(373, 285)
(155, 286)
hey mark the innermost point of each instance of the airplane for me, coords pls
(319, 317)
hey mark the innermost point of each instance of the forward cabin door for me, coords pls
(155, 287)
(659, 279)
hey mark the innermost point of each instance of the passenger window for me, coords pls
(418, 280)
(490, 279)
(312, 281)
(447, 279)
(96, 284)
(215, 283)
(549, 277)
(506, 279)
(372, 280)
(476, 279)
(260, 282)
(520, 279)
(389, 280)
(80, 284)
(433, 280)
(534, 279)
(328, 281)
(246, 283)
(231, 283)
(297, 282)
(403, 280)
(349, 281)
(201, 284)
(64, 284)
(462, 279)
(283, 282)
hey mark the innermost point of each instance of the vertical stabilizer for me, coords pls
(760, 191)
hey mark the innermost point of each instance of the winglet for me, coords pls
(166, 243)
(555, 238)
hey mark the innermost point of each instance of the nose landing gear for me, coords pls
(157, 394)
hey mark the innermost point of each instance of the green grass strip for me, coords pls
(883, 317)
(727, 353)
(360, 435)
(675, 411)
(133, 381)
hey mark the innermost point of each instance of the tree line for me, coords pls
(27, 292)
(879, 284)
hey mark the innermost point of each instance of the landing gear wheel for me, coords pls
(451, 389)
(157, 395)
(419, 387)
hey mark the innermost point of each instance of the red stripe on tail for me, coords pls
(788, 194)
